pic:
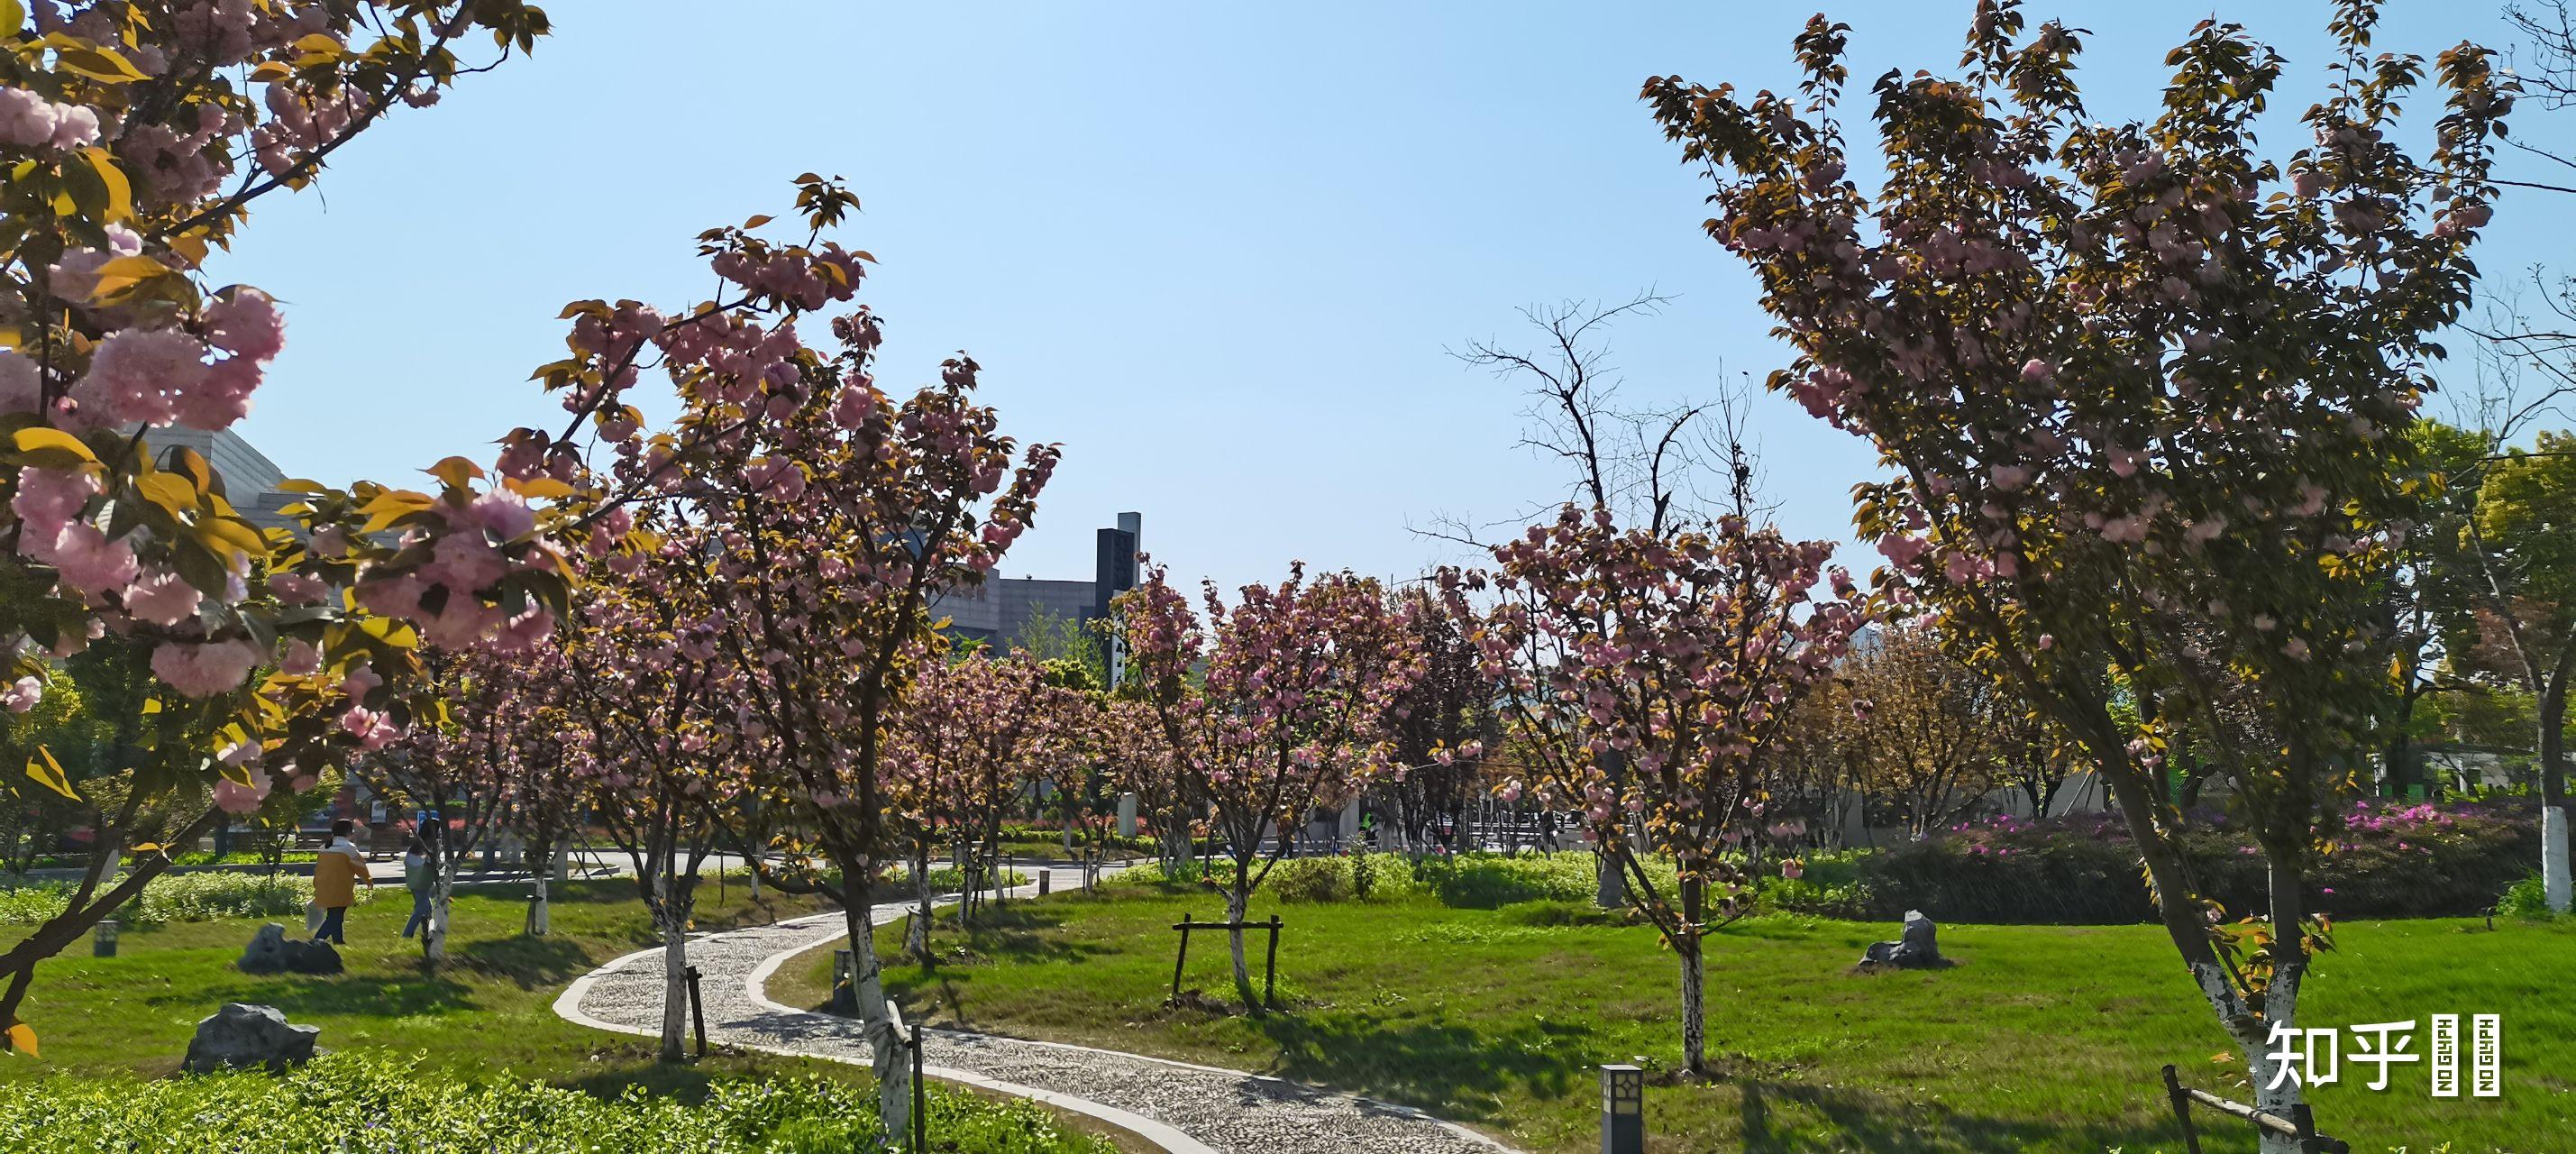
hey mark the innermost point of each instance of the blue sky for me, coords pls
(1219, 251)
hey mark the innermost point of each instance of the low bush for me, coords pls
(2528, 898)
(196, 897)
(2387, 860)
(354, 1102)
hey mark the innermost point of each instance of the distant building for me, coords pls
(999, 611)
(251, 480)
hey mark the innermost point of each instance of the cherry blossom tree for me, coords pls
(1291, 712)
(490, 746)
(972, 732)
(1127, 737)
(654, 710)
(828, 532)
(2141, 389)
(1648, 677)
(1447, 710)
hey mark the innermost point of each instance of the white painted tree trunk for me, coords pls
(1694, 1009)
(2554, 878)
(881, 1022)
(1236, 904)
(540, 906)
(675, 981)
(442, 889)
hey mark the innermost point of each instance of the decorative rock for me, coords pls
(312, 958)
(245, 1037)
(1917, 949)
(267, 952)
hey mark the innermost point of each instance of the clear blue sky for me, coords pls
(1219, 251)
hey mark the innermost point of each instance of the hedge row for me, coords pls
(195, 897)
(2389, 860)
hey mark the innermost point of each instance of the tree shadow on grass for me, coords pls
(1452, 1071)
(530, 963)
(341, 996)
(1855, 1121)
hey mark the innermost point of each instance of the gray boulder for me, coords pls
(312, 958)
(243, 1037)
(1916, 949)
(267, 952)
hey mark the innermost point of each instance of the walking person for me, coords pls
(422, 880)
(336, 873)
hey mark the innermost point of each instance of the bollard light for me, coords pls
(1046, 882)
(105, 944)
(1623, 1110)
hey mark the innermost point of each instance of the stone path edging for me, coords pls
(1178, 1106)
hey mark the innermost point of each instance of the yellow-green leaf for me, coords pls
(151, 705)
(455, 471)
(391, 632)
(50, 774)
(22, 1038)
(170, 491)
(13, 16)
(90, 60)
(42, 438)
(120, 191)
(540, 488)
(123, 275)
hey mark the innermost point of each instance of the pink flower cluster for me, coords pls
(31, 121)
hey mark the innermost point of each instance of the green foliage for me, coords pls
(193, 897)
(2389, 860)
(2527, 899)
(373, 1103)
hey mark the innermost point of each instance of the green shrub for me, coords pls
(193, 897)
(356, 1102)
(2528, 898)
(2389, 859)
(1312, 879)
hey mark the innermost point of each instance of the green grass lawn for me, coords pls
(486, 1015)
(490, 1008)
(2043, 1039)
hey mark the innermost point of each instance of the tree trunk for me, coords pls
(1237, 901)
(2280, 1011)
(675, 984)
(1694, 1006)
(881, 1021)
(2553, 784)
(540, 903)
(433, 939)
(917, 936)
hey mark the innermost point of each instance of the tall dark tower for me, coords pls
(1114, 573)
(1114, 570)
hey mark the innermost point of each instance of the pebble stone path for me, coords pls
(1185, 1109)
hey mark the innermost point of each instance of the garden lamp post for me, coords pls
(1623, 1110)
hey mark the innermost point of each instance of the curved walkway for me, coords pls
(1183, 1108)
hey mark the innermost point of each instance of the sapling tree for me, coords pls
(2140, 388)
(1685, 653)
(1300, 681)
(971, 733)
(1445, 712)
(827, 541)
(648, 695)
(459, 767)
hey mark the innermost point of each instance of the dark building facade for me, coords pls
(1000, 611)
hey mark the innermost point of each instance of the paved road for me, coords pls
(1187, 1109)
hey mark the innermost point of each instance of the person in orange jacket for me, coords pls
(336, 874)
